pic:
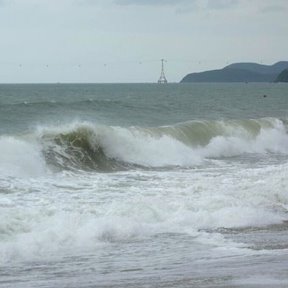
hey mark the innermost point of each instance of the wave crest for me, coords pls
(77, 149)
(109, 148)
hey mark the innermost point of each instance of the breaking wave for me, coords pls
(86, 146)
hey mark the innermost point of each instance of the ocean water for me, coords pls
(143, 185)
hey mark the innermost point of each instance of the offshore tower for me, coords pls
(162, 79)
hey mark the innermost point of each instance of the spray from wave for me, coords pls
(20, 157)
(81, 210)
(86, 146)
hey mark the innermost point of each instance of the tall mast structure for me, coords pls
(162, 79)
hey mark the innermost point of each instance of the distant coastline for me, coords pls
(242, 72)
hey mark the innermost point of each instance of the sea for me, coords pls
(144, 185)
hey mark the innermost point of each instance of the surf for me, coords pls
(93, 147)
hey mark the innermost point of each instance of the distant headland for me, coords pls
(283, 76)
(243, 72)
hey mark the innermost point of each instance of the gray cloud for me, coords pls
(183, 4)
(153, 2)
(4, 2)
(209, 4)
(66, 33)
(221, 4)
(90, 2)
(274, 9)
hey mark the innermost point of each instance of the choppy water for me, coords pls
(144, 185)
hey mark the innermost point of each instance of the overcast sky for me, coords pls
(123, 40)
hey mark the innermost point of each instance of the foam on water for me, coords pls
(139, 148)
(71, 210)
(80, 212)
(178, 185)
(20, 158)
(186, 144)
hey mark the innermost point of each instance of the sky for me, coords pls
(115, 41)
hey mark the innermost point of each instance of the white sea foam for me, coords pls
(138, 147)
(20, 158)
(273, 140)
(160, 148)
(80, 212)
(143, 149)
(66, 211)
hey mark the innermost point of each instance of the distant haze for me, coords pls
(103, 41)
(241, 72)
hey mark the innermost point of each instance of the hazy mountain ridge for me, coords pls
(283, 76)
(239, 72)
